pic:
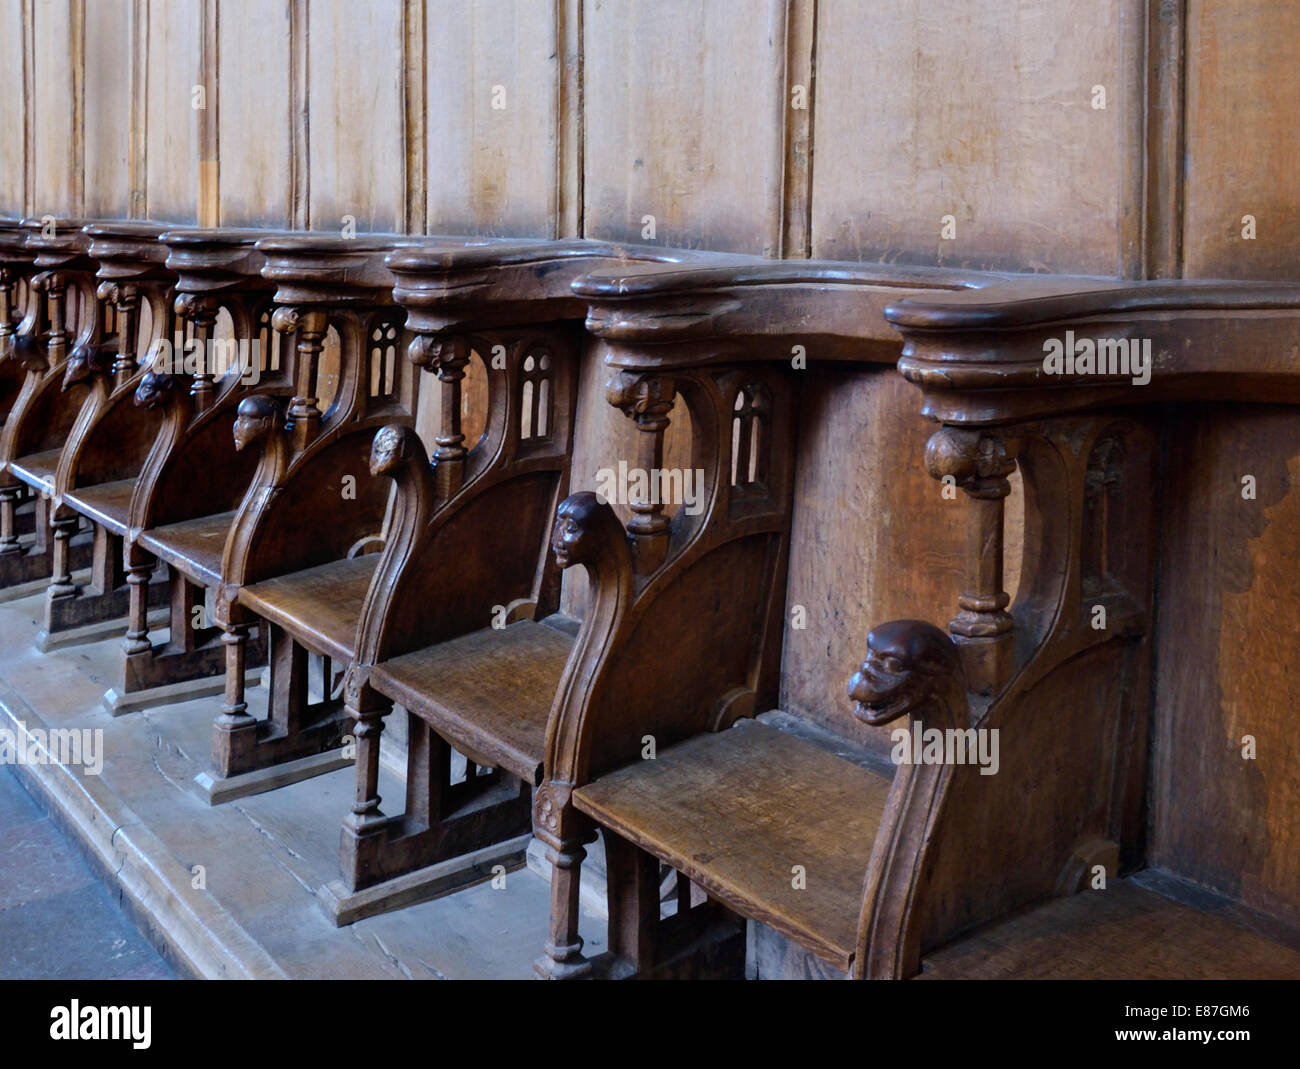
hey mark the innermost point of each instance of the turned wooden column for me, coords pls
(979, 462)
(448, 357)
(562, 830)
(7, 282)
(304, 415)
(367, 709)
(126, 302)
(201, 312)
(646, 400)
(55, 287)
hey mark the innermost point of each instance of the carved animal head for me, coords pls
(29, 352)
(389, 449)
(908, 661)
(255, 418)
(155, 387)
(83, 362)
(583, 524)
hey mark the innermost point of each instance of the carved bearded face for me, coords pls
(387, 450)
(903, 660)
(573, 540)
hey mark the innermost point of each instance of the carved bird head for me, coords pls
(907, 660)
(256, 417)
(29, 352)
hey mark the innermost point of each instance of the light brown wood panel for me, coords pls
(171, 166)
(107, 105)
(1243, 149)
(13, 153)
(684, 104)
(254, 120)
(982, 112)
(56, 137)
(492, 116)
(356, 130)
(1225, 658)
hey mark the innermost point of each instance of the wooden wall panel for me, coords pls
(254, 122)
(13, 162)
(356, 130)
(1226, 657)
(1243, 147)
(684, 104)
(492, 115)
(982, 112)
(56, 145)
(107, 108)
(171, 146)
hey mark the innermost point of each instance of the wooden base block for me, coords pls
(345, 907)
(119, 703)
(217, 789)
(96, 632)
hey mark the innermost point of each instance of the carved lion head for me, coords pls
(906, 661)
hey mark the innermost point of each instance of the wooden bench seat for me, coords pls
(193, 547)
(1127, 932)
(737, 810)
(319, 606)
(38, 469)
(107, 504)
(488, 692)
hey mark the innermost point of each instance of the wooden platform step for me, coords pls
(489, 692)
(1123, 932)
(318, 606)
(737, 811)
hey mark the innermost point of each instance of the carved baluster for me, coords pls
(56, 304)
(310, 325)
(7, 282)
(9, 498)
(201, 312)
(368, 709)
(647, 400)
(448, 357)
(562, 830)
(980, 463)
(126, 301)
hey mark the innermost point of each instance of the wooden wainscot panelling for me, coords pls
(683, 105)
(13, 151)
(983, 113)
(253, 114)
(107, 108)
(1243, 149)
(491, 108)
(356, 165)
(1226, 644)
(58, 56)
(172, 117)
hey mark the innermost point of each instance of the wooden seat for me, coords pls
(738, 810)
(192, 547)
(1126, 931)
(106, 504)
(320, 606)
(488, 692)
(38, 469)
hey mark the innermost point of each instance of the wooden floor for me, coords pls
(737, 811)
(1123, 932)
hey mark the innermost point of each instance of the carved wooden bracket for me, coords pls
(980, 462)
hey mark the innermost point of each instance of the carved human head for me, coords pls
(153, 389)
(906, 661)
(388, 450)
(581, 522)
(255, 418)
